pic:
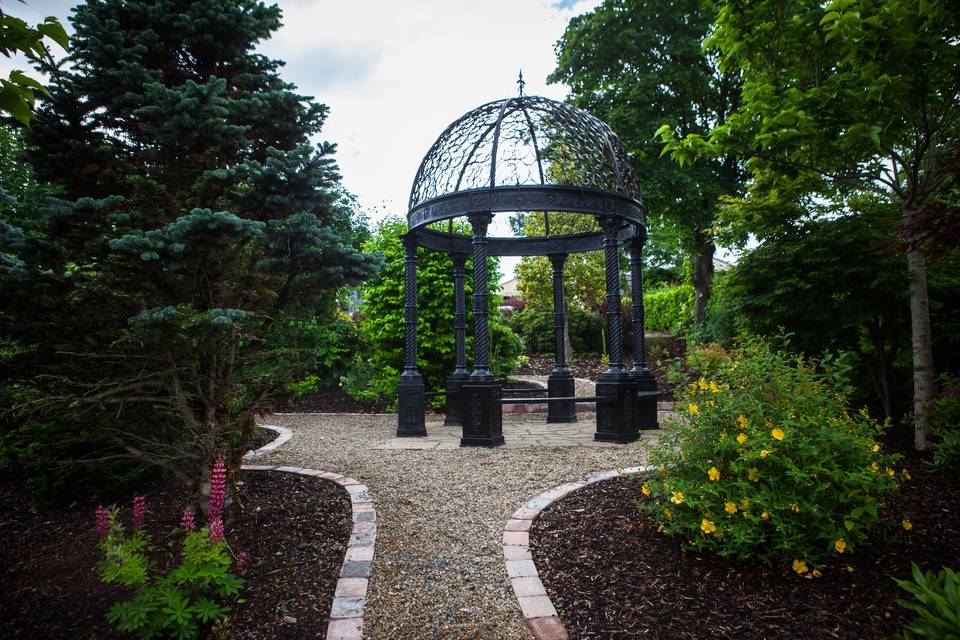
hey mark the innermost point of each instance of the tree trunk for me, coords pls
(702, 272)
(567, 344)
(922, 347)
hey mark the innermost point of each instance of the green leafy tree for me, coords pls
(835, 285)
(18, 91)
(197, 226)
(639, 65)
(382, 326)
(849, 95)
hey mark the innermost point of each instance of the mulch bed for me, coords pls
(295, 533)
(336, 401)
(611, 575)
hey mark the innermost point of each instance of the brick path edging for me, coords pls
(535, 604)
(283, 436)
(350, 597)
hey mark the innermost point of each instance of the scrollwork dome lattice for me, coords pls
(520, 141)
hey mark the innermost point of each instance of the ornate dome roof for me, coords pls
(525, 153)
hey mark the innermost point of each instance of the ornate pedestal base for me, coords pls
(452, 410)
(647, 396)
(481, 413)
(561, 385)
(410, 410)
(616, 408)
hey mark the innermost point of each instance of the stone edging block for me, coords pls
(538, 611)
(282, 438)
(350, 597)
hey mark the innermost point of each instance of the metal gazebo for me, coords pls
(532, 155)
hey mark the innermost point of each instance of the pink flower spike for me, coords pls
(218, 489)
(103, 521)
(139, 511)
(241, 559)
(216, 531)
(187, 520)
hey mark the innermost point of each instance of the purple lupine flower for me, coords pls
(241, 559)
(103, 521)
(216, 530)
(187, 520)
(218, 489)
(139, 511)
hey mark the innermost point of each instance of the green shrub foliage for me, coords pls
(936, 601)
(382, 323)
(944, 415)
(668, 309)
(766, 462)
(536, 330)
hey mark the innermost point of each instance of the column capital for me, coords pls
(558, 260)
(609, 224)
(459, 259)
(479, 222)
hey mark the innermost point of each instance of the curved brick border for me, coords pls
(283, 437)
(350, 597)
(535, 604)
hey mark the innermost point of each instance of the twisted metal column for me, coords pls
(636, 307)
(559, 313)
(410, 306)
(611, 258)
(459, 312)
(481, 304)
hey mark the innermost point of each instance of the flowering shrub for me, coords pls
(184, 600)
(944, 412)
(766, 462)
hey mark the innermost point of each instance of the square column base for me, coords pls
(647, 397)
(561, 385)
(411, 407)
(616, 408)
(452, 410)
(481, 413)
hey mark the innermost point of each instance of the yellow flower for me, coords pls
(668, 513)
(714, 474)
(840, 545)
(742, 421)
(905, 474)
(645, 489)
(714, 388)
(745, 503)
(702, 384)
(746, 515)
(876, 448)
(741, 438)
(753, 474)
(765, 515)
(730, 507)
(764, 453)
(677, 497)
(800, 566)
(907, 524)
(816, 574)
(875, 467)
(777, 434)
(711, 403)
(662, 471)
(708, 527)
(863, 411)
(693, 409)
(890, 472)
(796, 508)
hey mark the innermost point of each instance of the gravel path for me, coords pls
(438, 571)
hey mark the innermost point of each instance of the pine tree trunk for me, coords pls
(702, 273)
(922, 347)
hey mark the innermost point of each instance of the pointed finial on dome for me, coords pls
(521, 83)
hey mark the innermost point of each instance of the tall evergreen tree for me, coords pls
(197, 226)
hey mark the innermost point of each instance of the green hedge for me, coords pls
(668, 309)
(536, 329)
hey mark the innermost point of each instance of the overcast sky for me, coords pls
(395, 74)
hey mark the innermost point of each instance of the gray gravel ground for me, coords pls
(438, 571)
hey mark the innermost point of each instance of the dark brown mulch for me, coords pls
(295, 534)
(611, 575)
(336, 401)
(261, 438)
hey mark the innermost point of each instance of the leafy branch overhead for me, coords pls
(18, 91)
